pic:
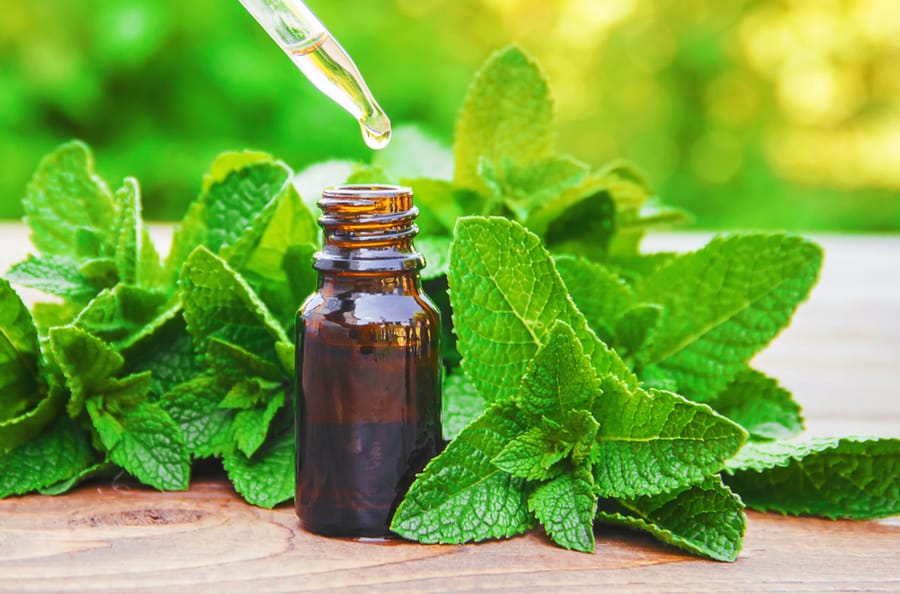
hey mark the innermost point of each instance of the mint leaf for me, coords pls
(437, 256)
(506, 294)
(20, 385)
(507, 115)
(195, 406)
(165, 349)
(67, 202)
(228, 209)
(267, 478)
(218, 304)
(565, 507)
(533, 454)
(413, 153)
(17, 430)
(86, 362)
(461, 404)
(461, 496)
(60, 451)
(129, 237)
(251, 426)
(636, 328)
(600, 294)
(723, 304)
(560, 377)
(525, 187)
(70, 483)
(232, 362)
(229, 162)
(705, 519)
(310, 182)
(833, 477)
(55, 275)
(653, 442)
(760, 405)
(145, 441)
(120, 315)
(439, 205)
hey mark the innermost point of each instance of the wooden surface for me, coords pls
(841, 357)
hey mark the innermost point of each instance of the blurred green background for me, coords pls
(764, 114)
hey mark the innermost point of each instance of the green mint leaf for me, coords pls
(506, 294)
(229, 209)
(600, 294)
(461, 496)
(14, 431)
(438, 204)
(724, 303)
(60, 451)
(55, 275)
(437, 256)
(232, 362)
(292, 224)
(310, 182)
(129, 237)
(653, 442)
(100, 272)
(66, 200)
(145, 441)
(122, 314)
(136, 259)
(195, 406)
(218, 303)
(267, 478)
(705, 519)
(848, 477)
(565, 507)
(86, 362)
(760, 405)
(533, 454)
(461, 404)
(49, 315)
(560, 377)
(165, 350)
(637, 326)
(70, 483)
(507, 115)
(368, 175)
(20, 385)
(229, 162)
(251, 426)
(414, 153)
(250, 393)
(279, 266)
(525, 187)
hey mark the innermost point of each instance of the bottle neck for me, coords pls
(337, 283)
(368, 229)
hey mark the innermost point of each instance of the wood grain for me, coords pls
(841, 357)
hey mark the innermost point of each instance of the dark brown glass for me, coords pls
(368, 366)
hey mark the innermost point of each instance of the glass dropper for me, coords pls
(320, 57)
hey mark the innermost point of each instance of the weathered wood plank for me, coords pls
(106, 539)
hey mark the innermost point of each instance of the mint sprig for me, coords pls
(587, 382)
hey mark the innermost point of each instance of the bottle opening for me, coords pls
(368, 227)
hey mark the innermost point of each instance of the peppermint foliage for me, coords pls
(586, 381)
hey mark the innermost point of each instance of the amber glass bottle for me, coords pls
(368, 365)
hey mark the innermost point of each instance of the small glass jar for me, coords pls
(368, 366)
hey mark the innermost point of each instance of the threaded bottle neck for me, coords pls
(368, 228)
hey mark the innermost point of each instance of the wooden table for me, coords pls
(841, 357)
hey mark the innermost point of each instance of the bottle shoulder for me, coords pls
(370, 308)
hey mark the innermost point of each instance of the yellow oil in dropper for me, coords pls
(320, 57)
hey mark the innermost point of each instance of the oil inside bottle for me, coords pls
(330, 69)
(369, 431)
